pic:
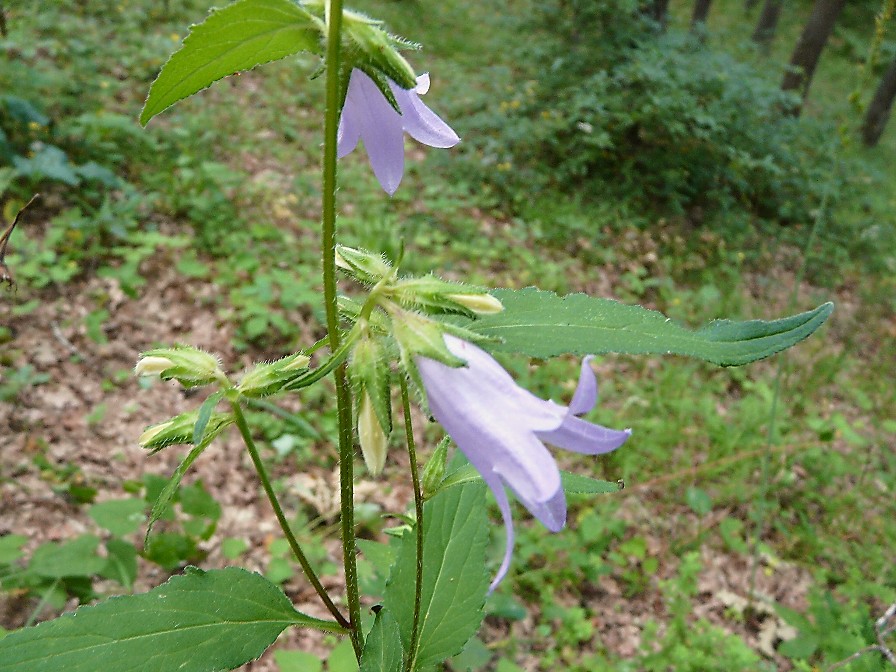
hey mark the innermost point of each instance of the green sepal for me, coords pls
(433, 295)
(379, 48)
(370, 373)
(434, 471)
(350, 310)
(181, 430)
(365, 267)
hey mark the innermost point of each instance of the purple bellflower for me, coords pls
(502, 429)
(368, 116)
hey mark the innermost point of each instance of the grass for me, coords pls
(227, 192)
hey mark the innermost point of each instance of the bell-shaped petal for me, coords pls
(368, 116)
(502, 429)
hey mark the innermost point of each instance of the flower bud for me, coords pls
(483, 304)
(434, 295)
(371, 436)
(269, 378)
(190, 366)
(364, 266)
(179, 430)
(418, 335)
(152, 366)
(380, 49)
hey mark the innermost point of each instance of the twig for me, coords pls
(5, 273)
(71, 347)
(882, 628)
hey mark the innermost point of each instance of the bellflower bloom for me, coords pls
(502, 429)
(368, 116)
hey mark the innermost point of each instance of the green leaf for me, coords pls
(456, 532)
(572, 483)
(119, 516)
(382, 651)
(204, 415)
(121, 563)
(10, 548)
(575, 484)
(197, 622)
(297, 661)
(342, 658)
(74, 558)
(542, 324)
(167, 494)
(238, 37)
(802, 646)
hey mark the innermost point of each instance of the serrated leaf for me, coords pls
(382, 650)
(238, 37)
(455, 582)
(542, 324)
(197, 622)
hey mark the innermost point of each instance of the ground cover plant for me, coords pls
(732, 544)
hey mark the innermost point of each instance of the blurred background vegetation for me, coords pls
(640, 150)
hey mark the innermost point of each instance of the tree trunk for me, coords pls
(659, 10)
(808, 50)
(701, 11)
(768, 22)
(879, 111)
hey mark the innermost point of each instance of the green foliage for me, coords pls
(201, 621)
(611, 106)
(830, 632)
(541, 324)
(455, 532)
(237, 37)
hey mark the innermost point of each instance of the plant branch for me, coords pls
(281, 518)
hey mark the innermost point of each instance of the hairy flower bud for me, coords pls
(371, 436)
(483, 304)
(269, 378)
(364, 266)
(190, 366)
(180, 429)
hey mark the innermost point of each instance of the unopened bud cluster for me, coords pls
(397, 321)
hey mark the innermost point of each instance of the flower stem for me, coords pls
(418, 506)
(328, 253)
(243, 426)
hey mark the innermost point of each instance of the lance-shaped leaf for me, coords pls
(238, 37)
(198, 622)
(541, 324)
(455, 534)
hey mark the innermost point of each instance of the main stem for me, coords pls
(281, 518)
(418, 507)
(328, 253)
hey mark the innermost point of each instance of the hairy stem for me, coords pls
(418, 507)
(243, 426)
(328, 253)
